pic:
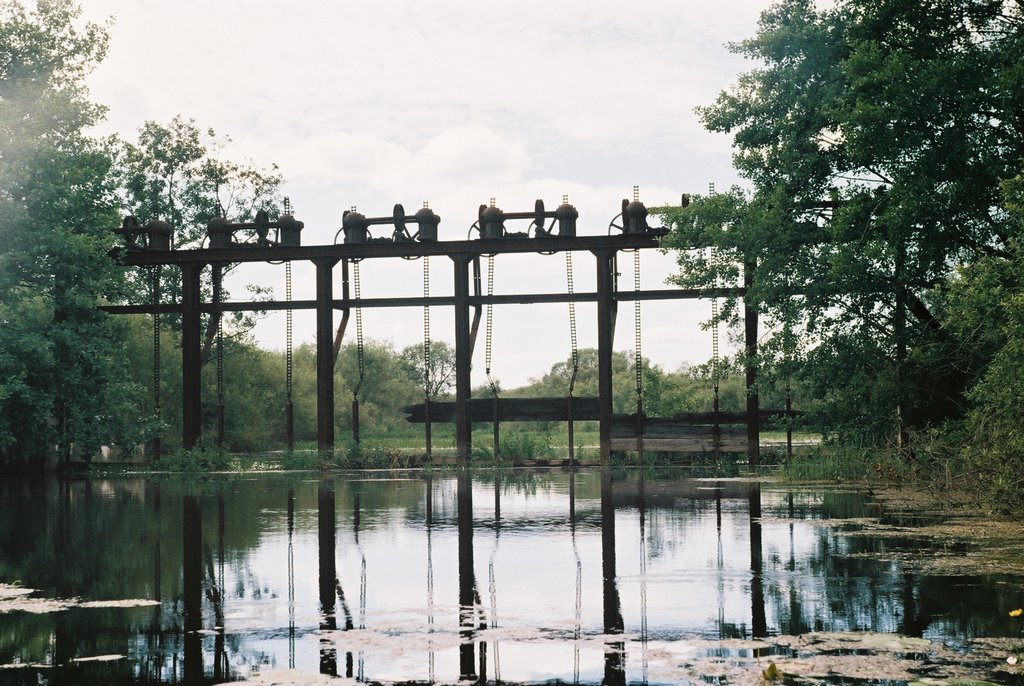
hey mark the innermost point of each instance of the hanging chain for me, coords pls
(715, 371)
(359, 330)
(426, 326)
(217, 286)
(288, 358)
(490, 323)
(155, 287)
(714, 343)
(573, 342)
(636, 327)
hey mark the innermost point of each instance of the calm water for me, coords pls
(517, 577)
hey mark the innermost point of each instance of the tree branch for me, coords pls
(923, 314)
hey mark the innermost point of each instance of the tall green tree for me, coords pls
(176, 172)
(437, 375)
(986, 311)
(874, 135)
(61, 367)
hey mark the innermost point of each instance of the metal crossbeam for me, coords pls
(358, 251)
(435, 301)
(463, 255)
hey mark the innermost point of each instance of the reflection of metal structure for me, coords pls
(267, 240)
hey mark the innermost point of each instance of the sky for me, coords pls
(452, 102)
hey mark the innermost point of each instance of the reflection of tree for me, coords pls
(851, 580)
(123, 538)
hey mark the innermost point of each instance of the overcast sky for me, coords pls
(369, 104)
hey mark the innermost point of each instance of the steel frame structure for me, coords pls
(463, 254)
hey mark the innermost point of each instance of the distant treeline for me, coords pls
(256, 395)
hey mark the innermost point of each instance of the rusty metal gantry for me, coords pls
(464, 254)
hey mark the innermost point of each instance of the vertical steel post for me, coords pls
(750, 319)
(570, 432)
(605, 340)
(218, 281)
(156, 358)
(899, 331)
(191, 357)
(324, 354)
(463, 359)
(789, 426)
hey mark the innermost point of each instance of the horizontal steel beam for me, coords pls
(436, 301)
(402, 249)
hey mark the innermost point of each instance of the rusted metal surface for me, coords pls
(475, 301)
(463, 359)
(324, 355)
(191, 357)
(750, 322)
(605, 341)
(151, 245)
(390, 249)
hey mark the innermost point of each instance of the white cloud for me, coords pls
(452, 101)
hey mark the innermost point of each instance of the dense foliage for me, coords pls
(255, 391)
(61, 371)
(878, 137)
(64, 382)
(176, 172)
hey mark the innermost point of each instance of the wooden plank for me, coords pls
(555, 410)
(509, 410)
(682, 445)
(625, 428)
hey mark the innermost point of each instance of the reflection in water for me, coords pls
(492, 587)
(216, 596)
(695, 559)
(362, 584)
(758, 623)
(614, 656)
(577, 629)
(291, 578)
(642, 507)
(467, 579)
(192, 575)
(328, 575)
(720, 561)
(429, 515)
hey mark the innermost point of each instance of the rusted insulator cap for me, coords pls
(290, 231)
(492, 223)
(219, 232)
(427, 221)
(635, 218)
(353, 219)
(355, 226)
(566, 215)
(159, 234)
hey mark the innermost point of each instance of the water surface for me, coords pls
(512, 577)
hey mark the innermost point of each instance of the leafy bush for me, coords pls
(196, 460)
(526, 445)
